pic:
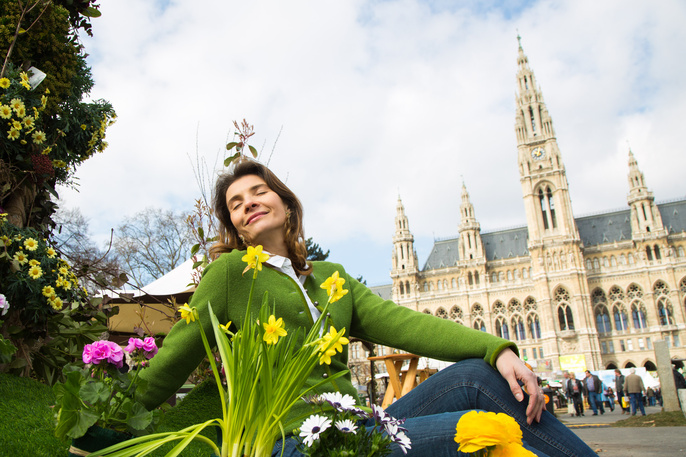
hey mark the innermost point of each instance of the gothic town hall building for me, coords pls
(605, 286)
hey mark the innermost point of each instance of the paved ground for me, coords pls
(626, 441)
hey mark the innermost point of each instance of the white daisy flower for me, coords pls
(346, 426)
(312, 427)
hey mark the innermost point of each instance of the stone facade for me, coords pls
(605, 286)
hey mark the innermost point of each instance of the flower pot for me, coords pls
(96, 438)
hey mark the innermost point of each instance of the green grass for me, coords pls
(665, 419)
(27, 425)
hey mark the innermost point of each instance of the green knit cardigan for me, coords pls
(361, 312)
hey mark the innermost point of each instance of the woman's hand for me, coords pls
(513, 370)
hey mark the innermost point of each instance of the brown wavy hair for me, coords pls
(294, 232)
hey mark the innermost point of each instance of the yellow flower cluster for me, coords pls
(326, 349)
(497, 433)
(21, 124)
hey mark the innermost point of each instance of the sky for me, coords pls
(356, 103)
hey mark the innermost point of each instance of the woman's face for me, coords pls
(258, 213)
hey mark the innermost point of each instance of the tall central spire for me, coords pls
(533, 120)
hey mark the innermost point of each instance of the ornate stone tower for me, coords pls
(647, 230)
(554, 243)
(470, 245)
(543, 177)
(404, 259)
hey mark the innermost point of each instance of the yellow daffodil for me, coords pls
(225, 328)
(5, 111)
(332, 335)
(254, 258)
(187, 313)
(4, 83)
(478, 429)
(48, 291)
(51, 253)
(30, 244)
(273, 329)
(21, 258)
(334, 287)
(35, 272)
(325, 358)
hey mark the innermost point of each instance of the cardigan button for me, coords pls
(316, 303)
(325, 375)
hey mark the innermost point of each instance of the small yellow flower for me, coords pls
(38, 137)
(4, 83)
(48, 291)
(477, 430)
(33, 262)
(43, 101)
(6, 241)
(5, 111)
(13, 134)
(187, 313)
(59, 163)
(51, 253)
(30, 244)
(326, 357)
(84, 126)
(254, 258)
(273, 329)
(24, 76)
(26, 85)
(17, 125)
(332, 335)
(16, 103)
(46, 151)
(35, 272)
(56, 303)
(29, 122)
(21, 258)
(21, 111)
(334, 287)
(225, 328)
(63, 270)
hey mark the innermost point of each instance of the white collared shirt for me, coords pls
(284, 265)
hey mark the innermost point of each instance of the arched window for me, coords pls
(596, 264)
(622, 260)
(498, 307)
(470, 278)
(407, 287)
(402, 289)
(656, 249)
(564, 311)
(602, 319)
(494, 277)
(589, 264)
(501, 328)
(456, 313)
(439, 285)
(680, 251)
(649, 253)
(613, 261)
(479, 324)
(501, 276)
(476, 278)
(621, 319)
(534, 325)
(547, 208)
(665, 312)
(426, 286)
(477, 310)
(454, 283)
(509, 275)
(631, 259)
(525, 273)
(440, 312)
(514, 306)
(426, 311)
(638, 315)
(518, 328)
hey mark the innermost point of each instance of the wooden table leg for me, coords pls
(410, 380)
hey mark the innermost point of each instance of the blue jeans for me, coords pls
(433, 408)
(635, 399)
(596, 402)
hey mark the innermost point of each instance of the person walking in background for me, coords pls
(565, 386)
(609, 393)
(594, 386)
(575, 390)
(634, 386)
(650, 393)
(619, 387)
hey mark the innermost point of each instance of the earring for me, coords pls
(242, 238)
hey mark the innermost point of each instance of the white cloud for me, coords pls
(381, 98)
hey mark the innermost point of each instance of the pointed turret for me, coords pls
(470, 244)
(404, 257)
(646, 220)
